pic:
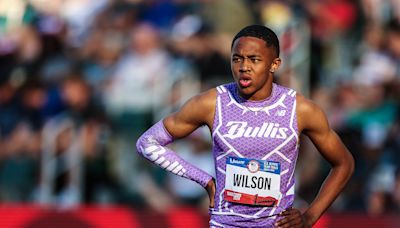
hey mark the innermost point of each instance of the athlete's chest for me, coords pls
(254, 134)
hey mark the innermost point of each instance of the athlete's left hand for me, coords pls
(291, 217)
(211, 191)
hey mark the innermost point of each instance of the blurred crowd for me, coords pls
(80, 80)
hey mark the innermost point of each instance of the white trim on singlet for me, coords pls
(219, 113)
(229, 145)
(231, 212)
(261, 211)
(273, 209)
(221, 170)
(224, 89)
(221, 197)
(271, 213)
(297, 138)
(216, 223)
(291, 93)
(276, 150)
(290, 191)
(292, 117)
(224, 154)
(221, 89)
(226, 205)
(265, 109)
(215, 134)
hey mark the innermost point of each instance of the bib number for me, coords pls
(251, 181)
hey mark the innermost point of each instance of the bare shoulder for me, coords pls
(305, 105)
(202, 105)
(198, 110)
(309, 114)
(206, 99)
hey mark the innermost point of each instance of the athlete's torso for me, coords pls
(243, 131)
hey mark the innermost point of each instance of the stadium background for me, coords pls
(80, 80)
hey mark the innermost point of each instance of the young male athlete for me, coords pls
(255, 126)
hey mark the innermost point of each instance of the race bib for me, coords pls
(251, 181)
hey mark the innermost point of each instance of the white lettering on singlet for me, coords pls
(239, 129)
(155, 154)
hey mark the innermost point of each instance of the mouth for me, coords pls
(244, 81)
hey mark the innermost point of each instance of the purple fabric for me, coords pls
(262, 130)
(152, 146)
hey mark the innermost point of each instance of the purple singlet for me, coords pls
(255, 147)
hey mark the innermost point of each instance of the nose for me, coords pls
(244, 66)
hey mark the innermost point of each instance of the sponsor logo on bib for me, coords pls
(253, 166)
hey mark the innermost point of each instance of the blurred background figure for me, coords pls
(73, 167)
(20, 142)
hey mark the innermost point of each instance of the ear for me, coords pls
(275, 65)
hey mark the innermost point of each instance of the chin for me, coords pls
(247, 91)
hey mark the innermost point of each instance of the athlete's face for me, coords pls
(252, 65)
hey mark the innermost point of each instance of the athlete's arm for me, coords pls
(196, 112)
(313, 122)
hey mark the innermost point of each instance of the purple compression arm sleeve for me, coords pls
(152, 146)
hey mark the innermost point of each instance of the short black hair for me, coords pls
(261, 32)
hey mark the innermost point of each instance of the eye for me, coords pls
(255, 60)
(236, 59)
